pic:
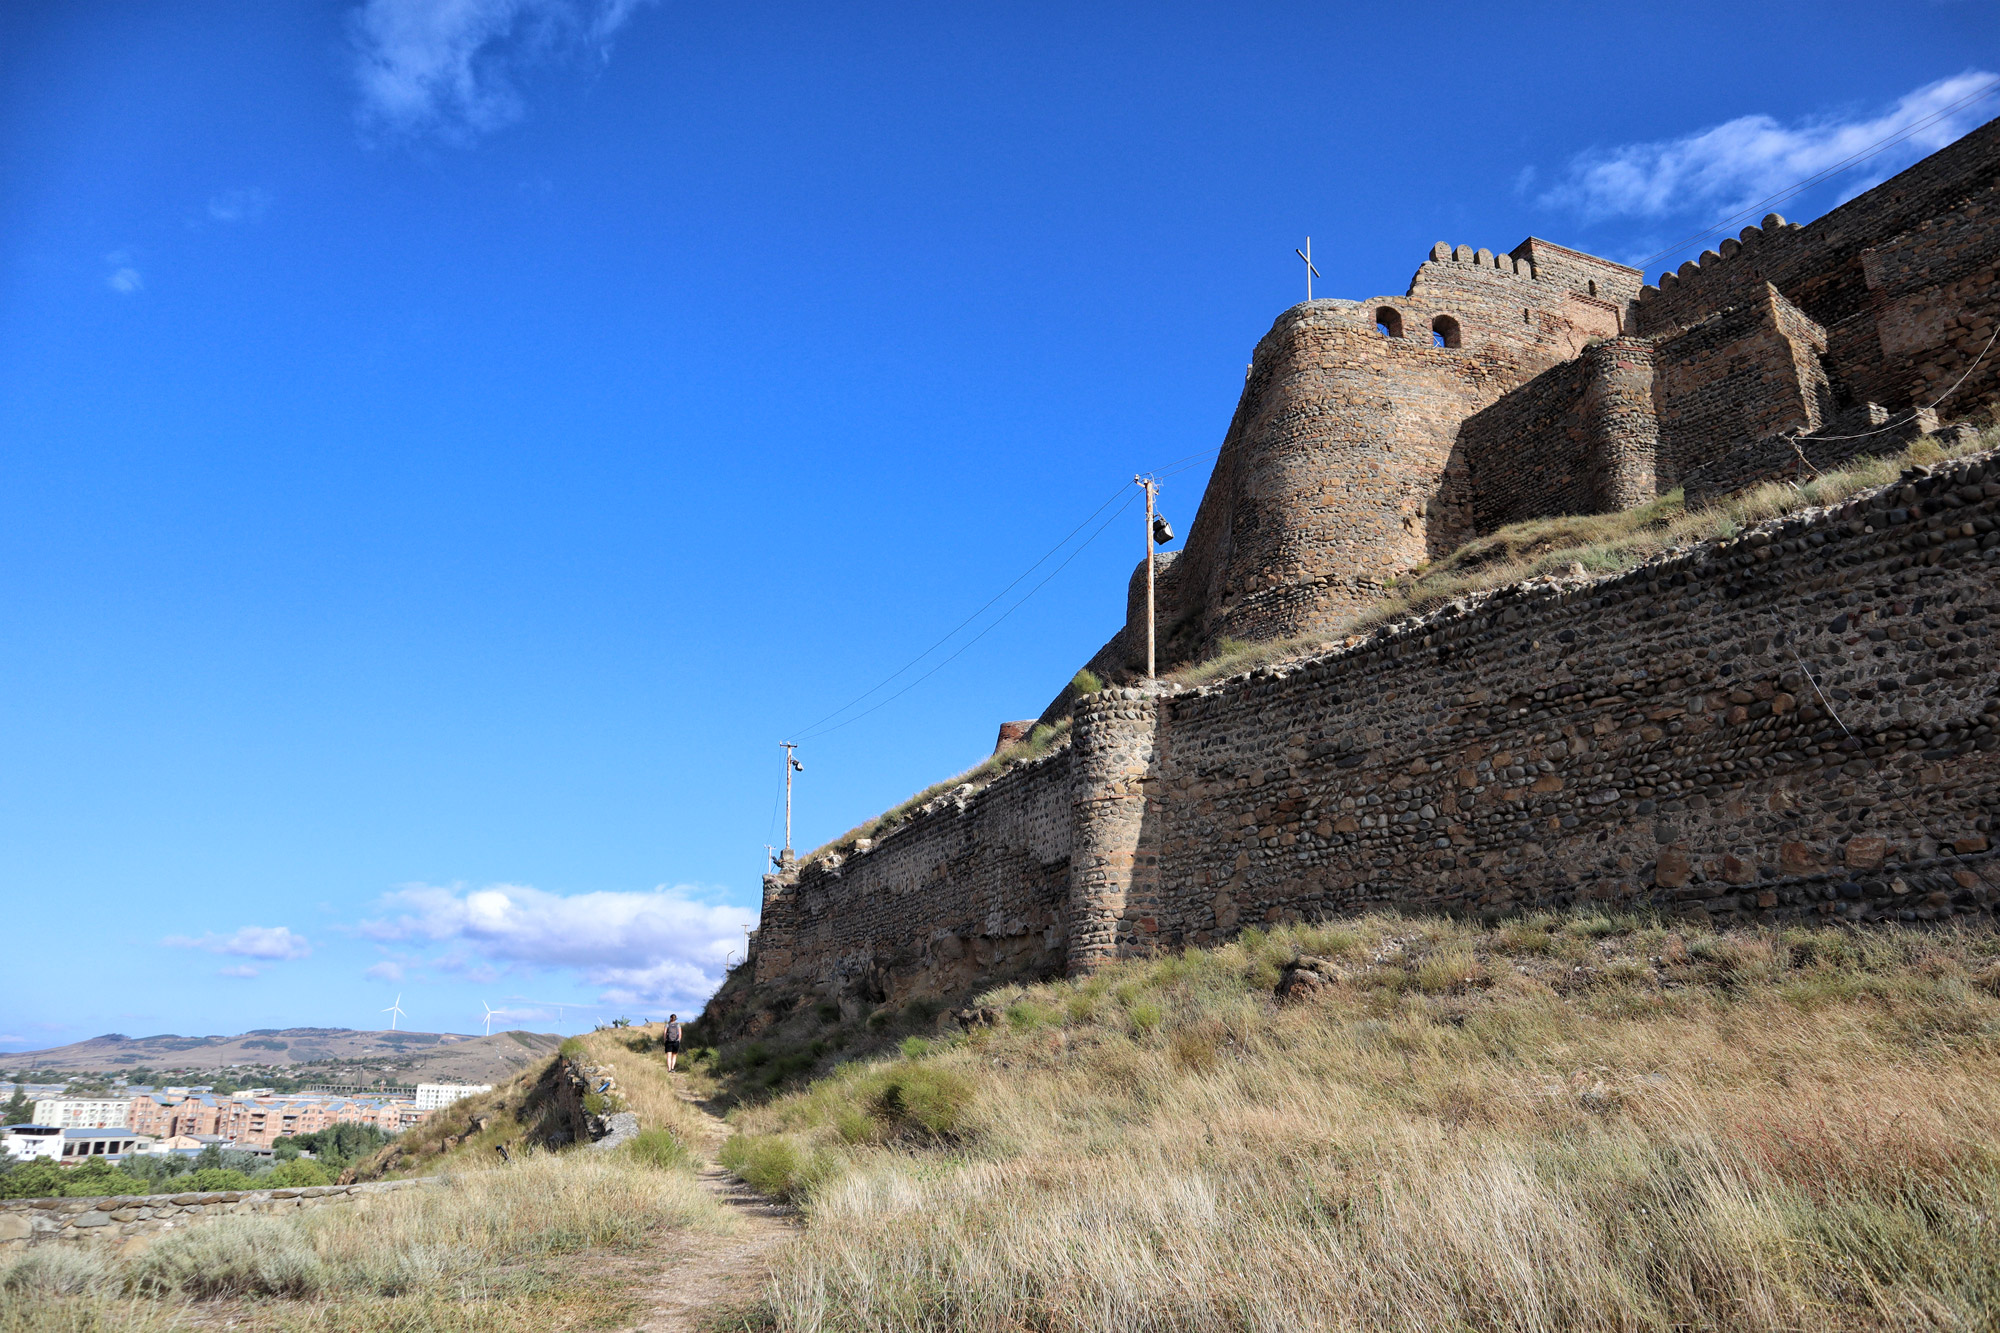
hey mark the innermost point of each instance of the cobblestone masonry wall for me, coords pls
(1798, 723)
(135, 1218)
(974, 884)
(1658, 738)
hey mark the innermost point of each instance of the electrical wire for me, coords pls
(884, 682)
(1825, 174)
(994, 624)
(1797, 440)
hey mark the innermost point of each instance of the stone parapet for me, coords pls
(129, 1218)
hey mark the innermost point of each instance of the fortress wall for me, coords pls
(1800, 722)
(1650, 739)
(1579, 438)
(1936, 291)
(970, 886)
(1824, 268)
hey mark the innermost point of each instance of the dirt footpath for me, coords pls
(698, 1279)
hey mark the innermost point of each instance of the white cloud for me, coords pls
(662, 947)
(1736, 164)
(123, 278)
(450, 66)
(244, 205)
(244, 970)
(385, 971)
(268, 942)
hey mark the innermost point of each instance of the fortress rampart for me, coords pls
(1799, 722)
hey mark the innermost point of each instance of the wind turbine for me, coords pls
(490, 1011)
(395, 1011)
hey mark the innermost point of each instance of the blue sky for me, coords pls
(446, 444)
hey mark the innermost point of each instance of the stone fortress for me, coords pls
(1800, 720)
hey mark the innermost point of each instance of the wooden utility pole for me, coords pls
(1152, 489)
(792, 765)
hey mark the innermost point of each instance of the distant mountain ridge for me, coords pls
(346, 1051)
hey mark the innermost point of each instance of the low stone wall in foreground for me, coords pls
(128, 1217)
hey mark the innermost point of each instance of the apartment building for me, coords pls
(84, 1112)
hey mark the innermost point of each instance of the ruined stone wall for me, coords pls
(132, 1219)
(973, 884)
(1800, 722)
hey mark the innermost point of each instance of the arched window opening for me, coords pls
(1593, 286)
(1444, 332)
(1388, 323)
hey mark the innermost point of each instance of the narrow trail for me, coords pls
(700, 1278)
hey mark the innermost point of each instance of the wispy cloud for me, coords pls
(1735, 164)
(272, 943)
(450, 67)
(385, 971)
(123, 278)
(244, 205)
(661, 947)
(243, 970)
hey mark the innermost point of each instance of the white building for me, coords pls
(431, 1096)
(24, 1142)
(84, 1112)
(78, 1144)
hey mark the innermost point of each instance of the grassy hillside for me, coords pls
(532, 1246)
(1572, 1122)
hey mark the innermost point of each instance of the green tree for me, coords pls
(213, 1178)
(18, 1107)
(38, 1179)
(98, 1177)
(209, 1158)
(295, 1174)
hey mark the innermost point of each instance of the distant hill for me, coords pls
(342, 1054)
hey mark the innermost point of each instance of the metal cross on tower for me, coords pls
(1311, 272)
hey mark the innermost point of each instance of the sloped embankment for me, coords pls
(599, 1088)
(1569, 1120)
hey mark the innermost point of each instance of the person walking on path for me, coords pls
(672, 1041)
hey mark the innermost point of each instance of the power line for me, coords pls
(994, 624)
(1827, 173)
(884, 682)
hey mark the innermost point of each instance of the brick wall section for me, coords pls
(1803, 722)
(973, 885)
(1744, 374)
(135, 1218)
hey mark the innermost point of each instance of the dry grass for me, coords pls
(1580, 547)
(477, 1243)
(485, 1246)
(1566, 1122)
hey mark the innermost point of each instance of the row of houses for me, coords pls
(254, 1119)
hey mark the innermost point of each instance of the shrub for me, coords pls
(299, 1173)
(215, 1178)
(827, 1011)
(660, 1149)
(1086, 681)
(571, 1049)
(57, 1270)
(776, 1164)
(915, 1048)
(1145, 1016)
(924, 1097)
(232, 1256)
(879, 1020)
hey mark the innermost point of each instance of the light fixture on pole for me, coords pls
(792, 765)
(1158, 533)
